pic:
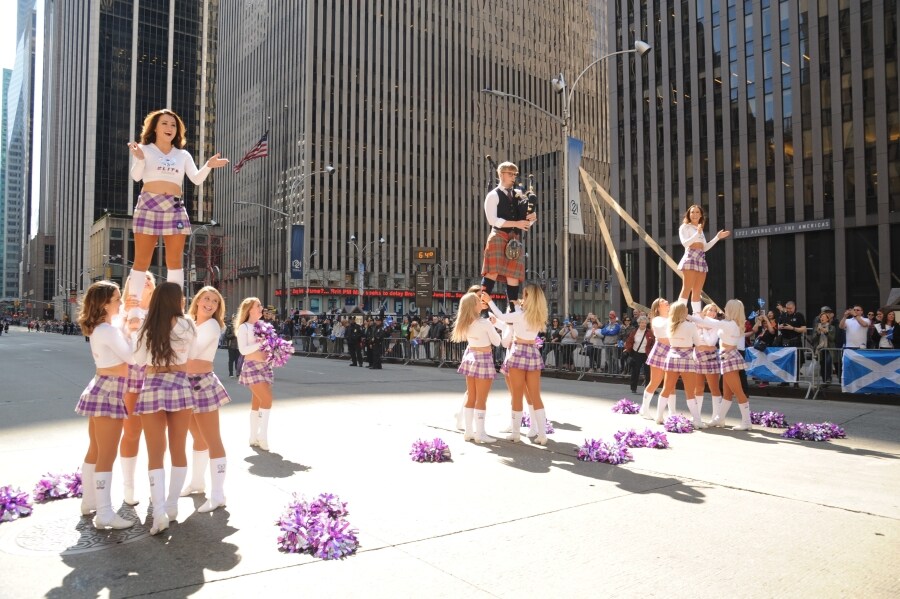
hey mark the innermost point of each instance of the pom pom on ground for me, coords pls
(598, 450)
(769, 419)
(317, 527)
(679, 424)
(58, 486)
(430, 451)
(14, 504)
(626, 406)
(548, 426)
(814, 432)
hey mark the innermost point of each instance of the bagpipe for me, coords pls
(526, 202)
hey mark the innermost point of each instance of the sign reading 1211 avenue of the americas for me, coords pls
(783, 229)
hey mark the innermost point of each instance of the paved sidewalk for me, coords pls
(720, 514)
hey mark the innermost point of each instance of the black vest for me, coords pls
(507, 209)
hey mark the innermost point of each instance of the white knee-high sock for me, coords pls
(695, 307)
(217, 479)
(136, 283)
(88, 495)
(745, 412)
(645, 404)
(175, 275)
(176, 482)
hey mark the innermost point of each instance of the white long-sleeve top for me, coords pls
(506, 333)
(728, 331)
(706, 336)
(660, 326)
(182, 338)
(521, 329)
(207, 341)
(491, 201)
(684, 335)
(171, 167)
(689, 235)
(482, 333)
(110, 347)
(247, 343)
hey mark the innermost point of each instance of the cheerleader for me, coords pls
(693, 264)
(166, 401)
(679, 363)
(656, 358)
(256, 373)
(103, 400)
(131, 431)
(162, 163)
(731, 340)
(477, 363)
(707, 357)
(208, 313)
(523, 363)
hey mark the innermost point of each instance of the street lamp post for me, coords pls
(559, 84)
(287, 217)
(361, 268)
(306, 276)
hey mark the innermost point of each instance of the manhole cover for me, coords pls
(54, 529)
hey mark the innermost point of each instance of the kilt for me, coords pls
(522, 356)
(731, 360)
(693, 260)
(136, 374)
(166, 391)
(477, 364)
(680, 359)
(657, 356)
(209, 394)
(160, 214)
(495, 259)
(103, 397)
(707, 361)
(253, 372)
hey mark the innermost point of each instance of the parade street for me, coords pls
(721, 513)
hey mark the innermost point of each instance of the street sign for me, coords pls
(424, 289)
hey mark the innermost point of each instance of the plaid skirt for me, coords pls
(707, 361)
(657, 356)
(160, 214)
(209, 394)
(495, 259)
(522, 356)
(680, 359)
(136, 374)
(731, 360)
(477, 364)
(103, 397)
(166, 391)
(693, 260)
(253, 372)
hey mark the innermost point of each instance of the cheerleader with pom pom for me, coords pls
(731, 340)
(166, 401)
(208, 313)
(477, 363)
(707, 357)
(523, 362)
(103, 400)
(679, 363)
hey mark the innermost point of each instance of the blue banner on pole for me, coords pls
(576, 149)
(775, 365)
(871, 371)
(296, 251)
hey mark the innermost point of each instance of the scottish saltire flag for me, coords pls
(775, 365)
(871, 371)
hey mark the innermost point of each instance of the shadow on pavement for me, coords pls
(272, 465)
(565, 426)
(761, 435)
(171, 562)
(564, 457)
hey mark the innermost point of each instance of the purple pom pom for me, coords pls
(14, 503)
(598, 450)
(649, 438)
(656, 439)
(626, 406)
(769, 419)
(57, 486)
(430, 451)
(679, 424)
(814, 432)
(548, 426)
(317, 528)
(278, 351)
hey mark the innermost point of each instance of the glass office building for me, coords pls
(782, 120)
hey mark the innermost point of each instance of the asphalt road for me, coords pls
(720, 514)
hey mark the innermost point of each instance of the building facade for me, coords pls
(19, 111)
(781, 118)
(4, 119)
(389, 93)
(107, 64)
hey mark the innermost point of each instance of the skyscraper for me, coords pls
(108, 63)
(782, 119)
(390, 94)
(17, 201)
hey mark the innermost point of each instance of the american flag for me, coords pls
(260, 150)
